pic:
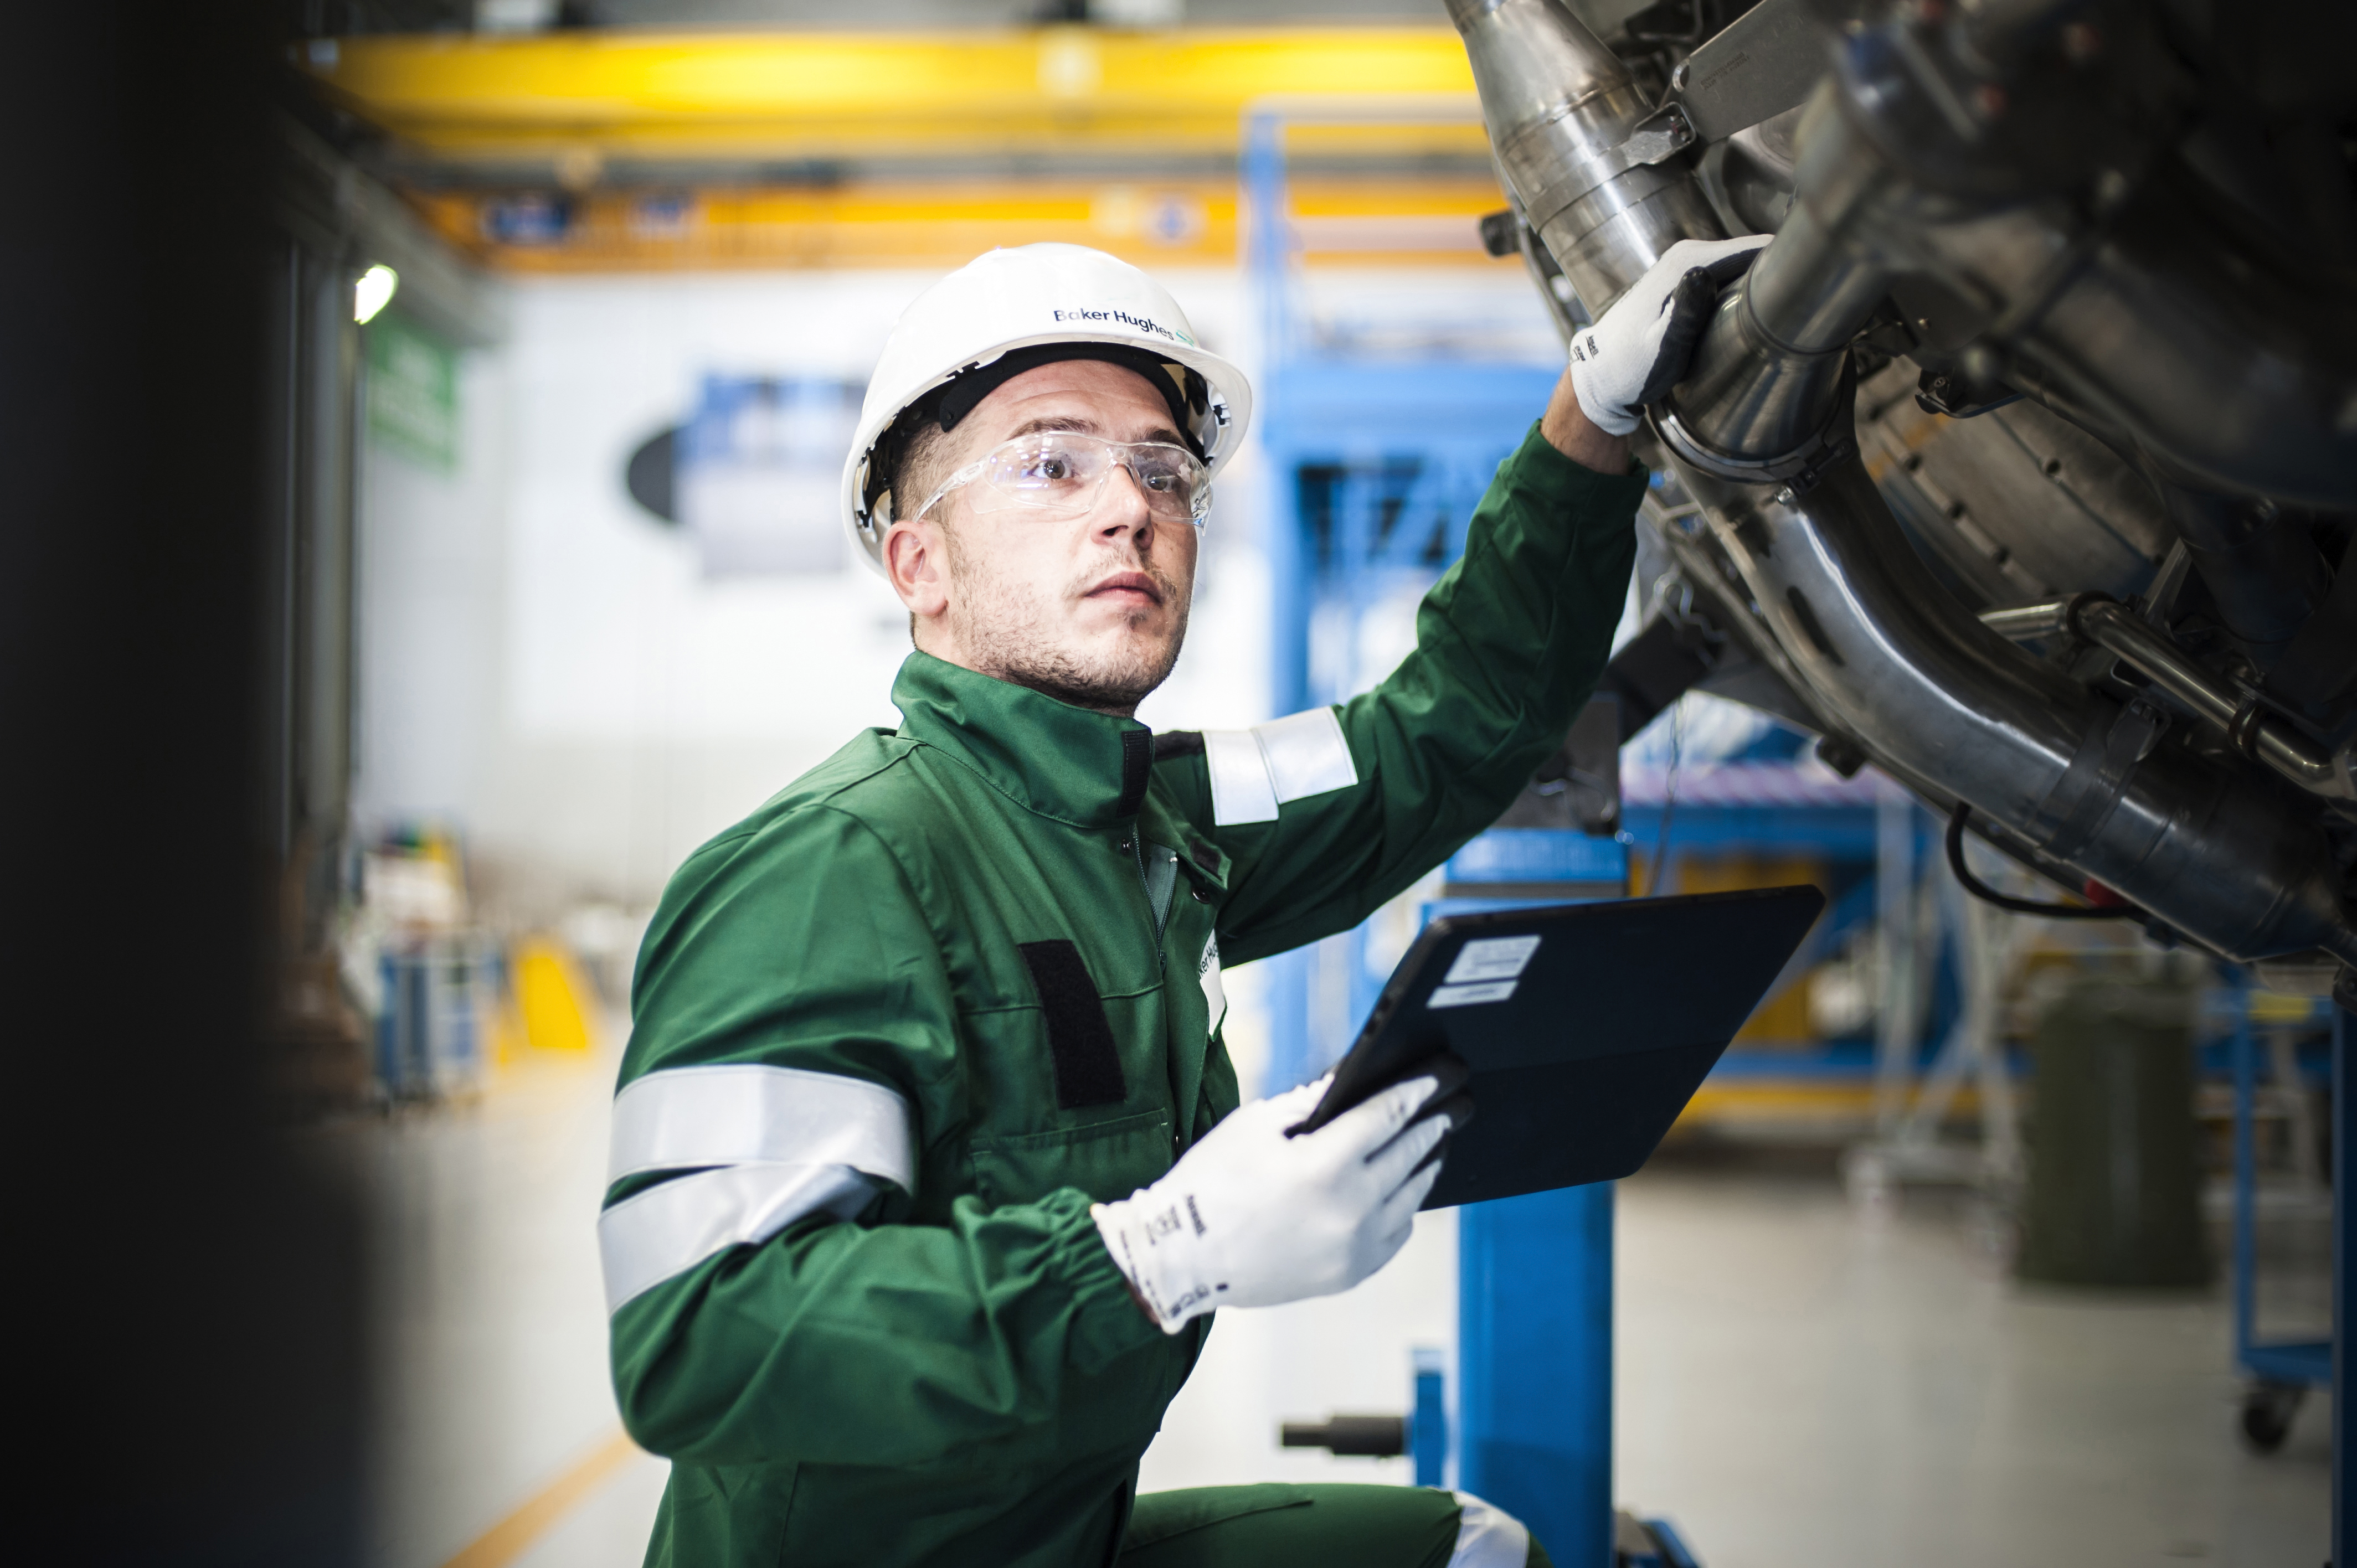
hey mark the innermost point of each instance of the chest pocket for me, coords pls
(1109, 1160)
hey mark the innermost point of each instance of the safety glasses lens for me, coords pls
(1064, 473)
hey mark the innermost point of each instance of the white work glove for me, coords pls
(1252, 1218)
(1640, 349)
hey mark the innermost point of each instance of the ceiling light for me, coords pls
(373, 292)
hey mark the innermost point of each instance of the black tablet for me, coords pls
(1587, 1027)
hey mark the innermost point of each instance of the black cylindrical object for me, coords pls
(1366, 1436)
(2114, 1180)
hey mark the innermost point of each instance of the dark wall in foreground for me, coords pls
(185, 1354)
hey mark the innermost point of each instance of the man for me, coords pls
(928, 1161)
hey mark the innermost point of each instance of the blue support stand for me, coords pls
(2344, 1219)
(2296, 1365)
(1535, 1279)
(1428, 1433)
(1534, 1365)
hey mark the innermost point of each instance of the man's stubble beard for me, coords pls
(1005, 629)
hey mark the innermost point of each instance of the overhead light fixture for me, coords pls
(373, 292)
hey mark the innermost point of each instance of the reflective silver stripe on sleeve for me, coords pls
(1488, 1536)
(1241, 789)
(1307, 754)
(682, 1118)
(666, 1231)
(1255, 770)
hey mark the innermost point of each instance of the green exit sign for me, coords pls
(412, 393)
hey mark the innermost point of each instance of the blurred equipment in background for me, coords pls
(757, 471)
(2115, 1181)
(2282, 1367)
(421, 970)
(447, 1001)
(555, 1003)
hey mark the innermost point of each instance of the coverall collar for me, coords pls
(1061, 761)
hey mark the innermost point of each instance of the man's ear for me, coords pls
(915, 558)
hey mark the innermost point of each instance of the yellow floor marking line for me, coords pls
(506, 1541)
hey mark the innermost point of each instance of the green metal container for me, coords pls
(2115, 1192)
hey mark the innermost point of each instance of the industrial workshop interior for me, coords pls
(1729, 943)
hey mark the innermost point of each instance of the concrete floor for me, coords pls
(1799, 1382)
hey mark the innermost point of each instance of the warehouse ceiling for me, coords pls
(318, 18)
(626, 135)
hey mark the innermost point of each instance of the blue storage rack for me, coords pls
(2280, 1371)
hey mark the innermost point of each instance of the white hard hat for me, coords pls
(973, 328)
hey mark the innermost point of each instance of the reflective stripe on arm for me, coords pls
(1241, 790)
(1255, 770)
(768, 1145)
(667, 1231)
(1307, 754)
(1488, 1536)
(685, 1117)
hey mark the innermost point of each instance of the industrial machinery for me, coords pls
(2023, 458)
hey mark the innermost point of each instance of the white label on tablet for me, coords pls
(1493, 958)
(1471, 995)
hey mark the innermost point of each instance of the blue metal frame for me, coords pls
(2345, 1236)
(1534, 1300)
(1534, 1365)
(2304, 1363)
(1428, 1428)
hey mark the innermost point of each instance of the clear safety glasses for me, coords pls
(1061, 472)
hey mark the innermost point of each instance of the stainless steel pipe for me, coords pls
(2223, 855)
(2112, 625)
(1767, 379)
(1564, 118)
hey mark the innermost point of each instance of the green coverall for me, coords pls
(985, 950)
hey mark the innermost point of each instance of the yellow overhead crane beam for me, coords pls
(817, 95)
(605, 113)
(934, 223)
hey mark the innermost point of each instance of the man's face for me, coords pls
(1090, 609)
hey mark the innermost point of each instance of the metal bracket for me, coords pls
(1658, 137)
(1944, 391)
(1755, 68)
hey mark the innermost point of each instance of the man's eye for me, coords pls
(1052, 466)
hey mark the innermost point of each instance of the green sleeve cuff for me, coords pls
(1106, 1321)
(1539, 467)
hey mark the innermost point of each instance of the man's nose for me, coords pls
(1122, 504)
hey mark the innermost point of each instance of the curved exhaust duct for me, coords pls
(2212, 849)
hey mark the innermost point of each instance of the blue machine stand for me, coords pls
(2344, 1222)
(1534, 1295)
